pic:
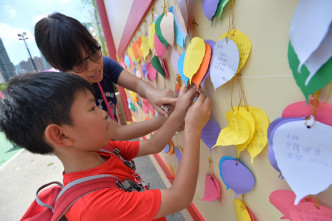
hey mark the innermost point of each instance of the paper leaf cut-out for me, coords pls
(236, 132)
(304, 156)
(236, 175)
(157, 65)
(318, 81)
(301, 109)
(251, 123)
(224, 62)
(198, 77)
(220, 9)
(158, 31)
(152, 32)
(283, 200)
(180, 68)
(163, 65)
(212, 192)
(210, 8)
(241, 212)
(167, 27)
(131, 53)
(175, 60)
(259, 140)
(179, 34)
(127, 62)
(210, 133)
(243, 43)
(159, 47)
(211, 43)
(152, 72)
(145, 106)
(194, 56)
(178, 153)
(145, 48)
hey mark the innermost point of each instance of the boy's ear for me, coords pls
(55, 135)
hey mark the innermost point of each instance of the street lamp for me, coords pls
(23, 37)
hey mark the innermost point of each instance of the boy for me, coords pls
(52, 113)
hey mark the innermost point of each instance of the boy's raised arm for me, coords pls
(180, 195)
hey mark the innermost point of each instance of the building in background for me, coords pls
(26, 66)
(6, 66)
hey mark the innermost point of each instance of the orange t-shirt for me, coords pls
(114, 203)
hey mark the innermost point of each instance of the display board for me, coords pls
(265, 81)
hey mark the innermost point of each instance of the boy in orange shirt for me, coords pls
(51, 113)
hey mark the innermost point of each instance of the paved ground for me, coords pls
(22, 174)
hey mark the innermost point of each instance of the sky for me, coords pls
(17, 16)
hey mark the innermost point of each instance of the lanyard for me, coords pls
(110, 113)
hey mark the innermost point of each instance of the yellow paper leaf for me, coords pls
(194, 56)
(145, 48)
(133, 95)
(251, 123)
(241, 211)
(236, 132)
(259, 140)
(242, 42)
(131, 53)
(152, 32)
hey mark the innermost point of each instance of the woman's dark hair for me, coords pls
(62, 39)
(35, 100)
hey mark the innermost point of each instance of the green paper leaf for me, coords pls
(156, 64)
(158, 31)
(318, 81)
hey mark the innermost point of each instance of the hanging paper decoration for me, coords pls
(194, 56)
(317, 82)
(167, 27)
(178, 85)
(135, 51)
(242, 212)
(159, 47)
(180, 68)
(158, 31)
(283, 200)
(145, 106)
(178, 153)
(312, 43)
(179, 18)
(302, 151)
(236, 175)
(145, 49)
(201, 72)
(211, 43)
(130, 60)
(145, 71)
(301, 109)
(151, 71)
(243, 43)
(259, 139)
(224, 62)
(131, 54)
(251, 123)
(179, 34)
(175, 60)
(157, 65)
(163, 64)
(152, 32)
(236, 132)
(210, 133)
(126, 60)
(139, 43)
(270, 133)
(209, 8)
(220, 9)
(182, 4)
(212, 188)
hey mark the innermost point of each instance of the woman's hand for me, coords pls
(162, 98)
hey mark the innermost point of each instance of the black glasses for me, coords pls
(82, 65)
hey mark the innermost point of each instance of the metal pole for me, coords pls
(23, 38)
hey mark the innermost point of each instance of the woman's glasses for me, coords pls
(82, 65)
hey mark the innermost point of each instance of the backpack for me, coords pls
(53, 202)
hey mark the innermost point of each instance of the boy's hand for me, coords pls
(199, 113)
(186, 96)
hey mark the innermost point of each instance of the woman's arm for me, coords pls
(156, 97)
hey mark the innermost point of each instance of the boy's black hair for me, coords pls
(62, 39)
(33, 101)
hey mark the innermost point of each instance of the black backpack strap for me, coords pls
(79, 188)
